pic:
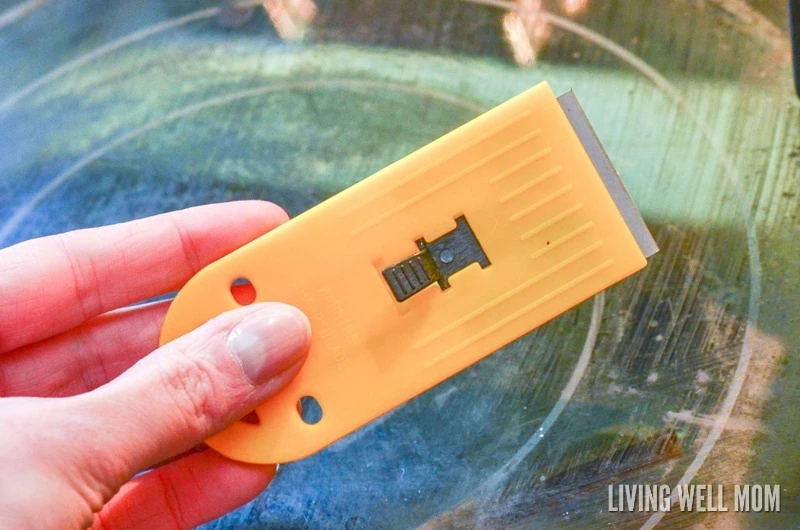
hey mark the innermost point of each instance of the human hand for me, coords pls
(108, 402)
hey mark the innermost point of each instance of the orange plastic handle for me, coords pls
(535, 203)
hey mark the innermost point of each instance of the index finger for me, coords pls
(52, 284)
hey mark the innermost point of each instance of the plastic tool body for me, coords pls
(428, 266)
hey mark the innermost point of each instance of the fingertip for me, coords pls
(265, 211)
(297, 314)
(238, 221)
(256, 476)
(270, 338)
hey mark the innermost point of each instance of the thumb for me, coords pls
(193, 387)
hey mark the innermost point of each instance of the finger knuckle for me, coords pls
(170, 496)
(196, 395)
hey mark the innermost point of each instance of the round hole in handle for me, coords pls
(243, 291)
(309, 409)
